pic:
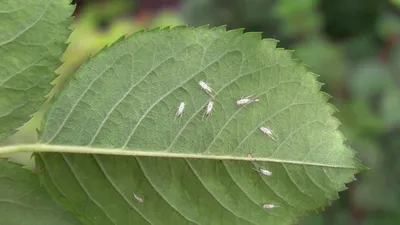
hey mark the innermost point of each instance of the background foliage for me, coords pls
(354, 46)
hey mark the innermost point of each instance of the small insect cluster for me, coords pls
(240, 102)
(210, 105)
(265, 172)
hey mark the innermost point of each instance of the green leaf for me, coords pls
(396, 2)
(192, 170)
(370, 77)
(24, 201)
(391, 107)
(330, 63)
(32, 36)
(291, 13)
(388, 25)
(381, 160)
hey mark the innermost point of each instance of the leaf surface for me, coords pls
(125, 99)
(32, 36)
(24, 201)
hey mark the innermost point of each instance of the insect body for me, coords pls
(139, 199)
(205, 87)
(181, 107)
(179, 111)
(267, 132)
(209, 108)
(263, 171)
(246, 100)
(269, 206)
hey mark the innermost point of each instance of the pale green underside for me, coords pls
(23, 201)
(125, 98)
(32, 36)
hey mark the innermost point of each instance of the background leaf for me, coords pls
(32, 36)
(396, 2)
(24, 201)
(370, 78)
(391, 107)
(126, 98)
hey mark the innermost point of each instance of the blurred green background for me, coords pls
(354, 45)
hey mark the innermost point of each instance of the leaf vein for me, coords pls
(58, 188)
(308, 153)
(216, 199)
(270, 117)
(236, 112)
(25, 205)
(165, 95)
(44, 148)
(297, 185)
(244, 192)
(86, 191)
(20, 71)
(221, 89)
(160, 193)
(273, 191)
(26, 28)
(292, 133)
(130, 89)
(103, 170)
(80, 97)
(313, 180)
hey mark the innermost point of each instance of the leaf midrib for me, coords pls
(117, 151)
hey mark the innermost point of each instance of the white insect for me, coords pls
(205, 87)
(181, 107)
(267, 132)
(209, 108)
(138, 198)
(269, 206)
(246, 100)
(263, 171)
